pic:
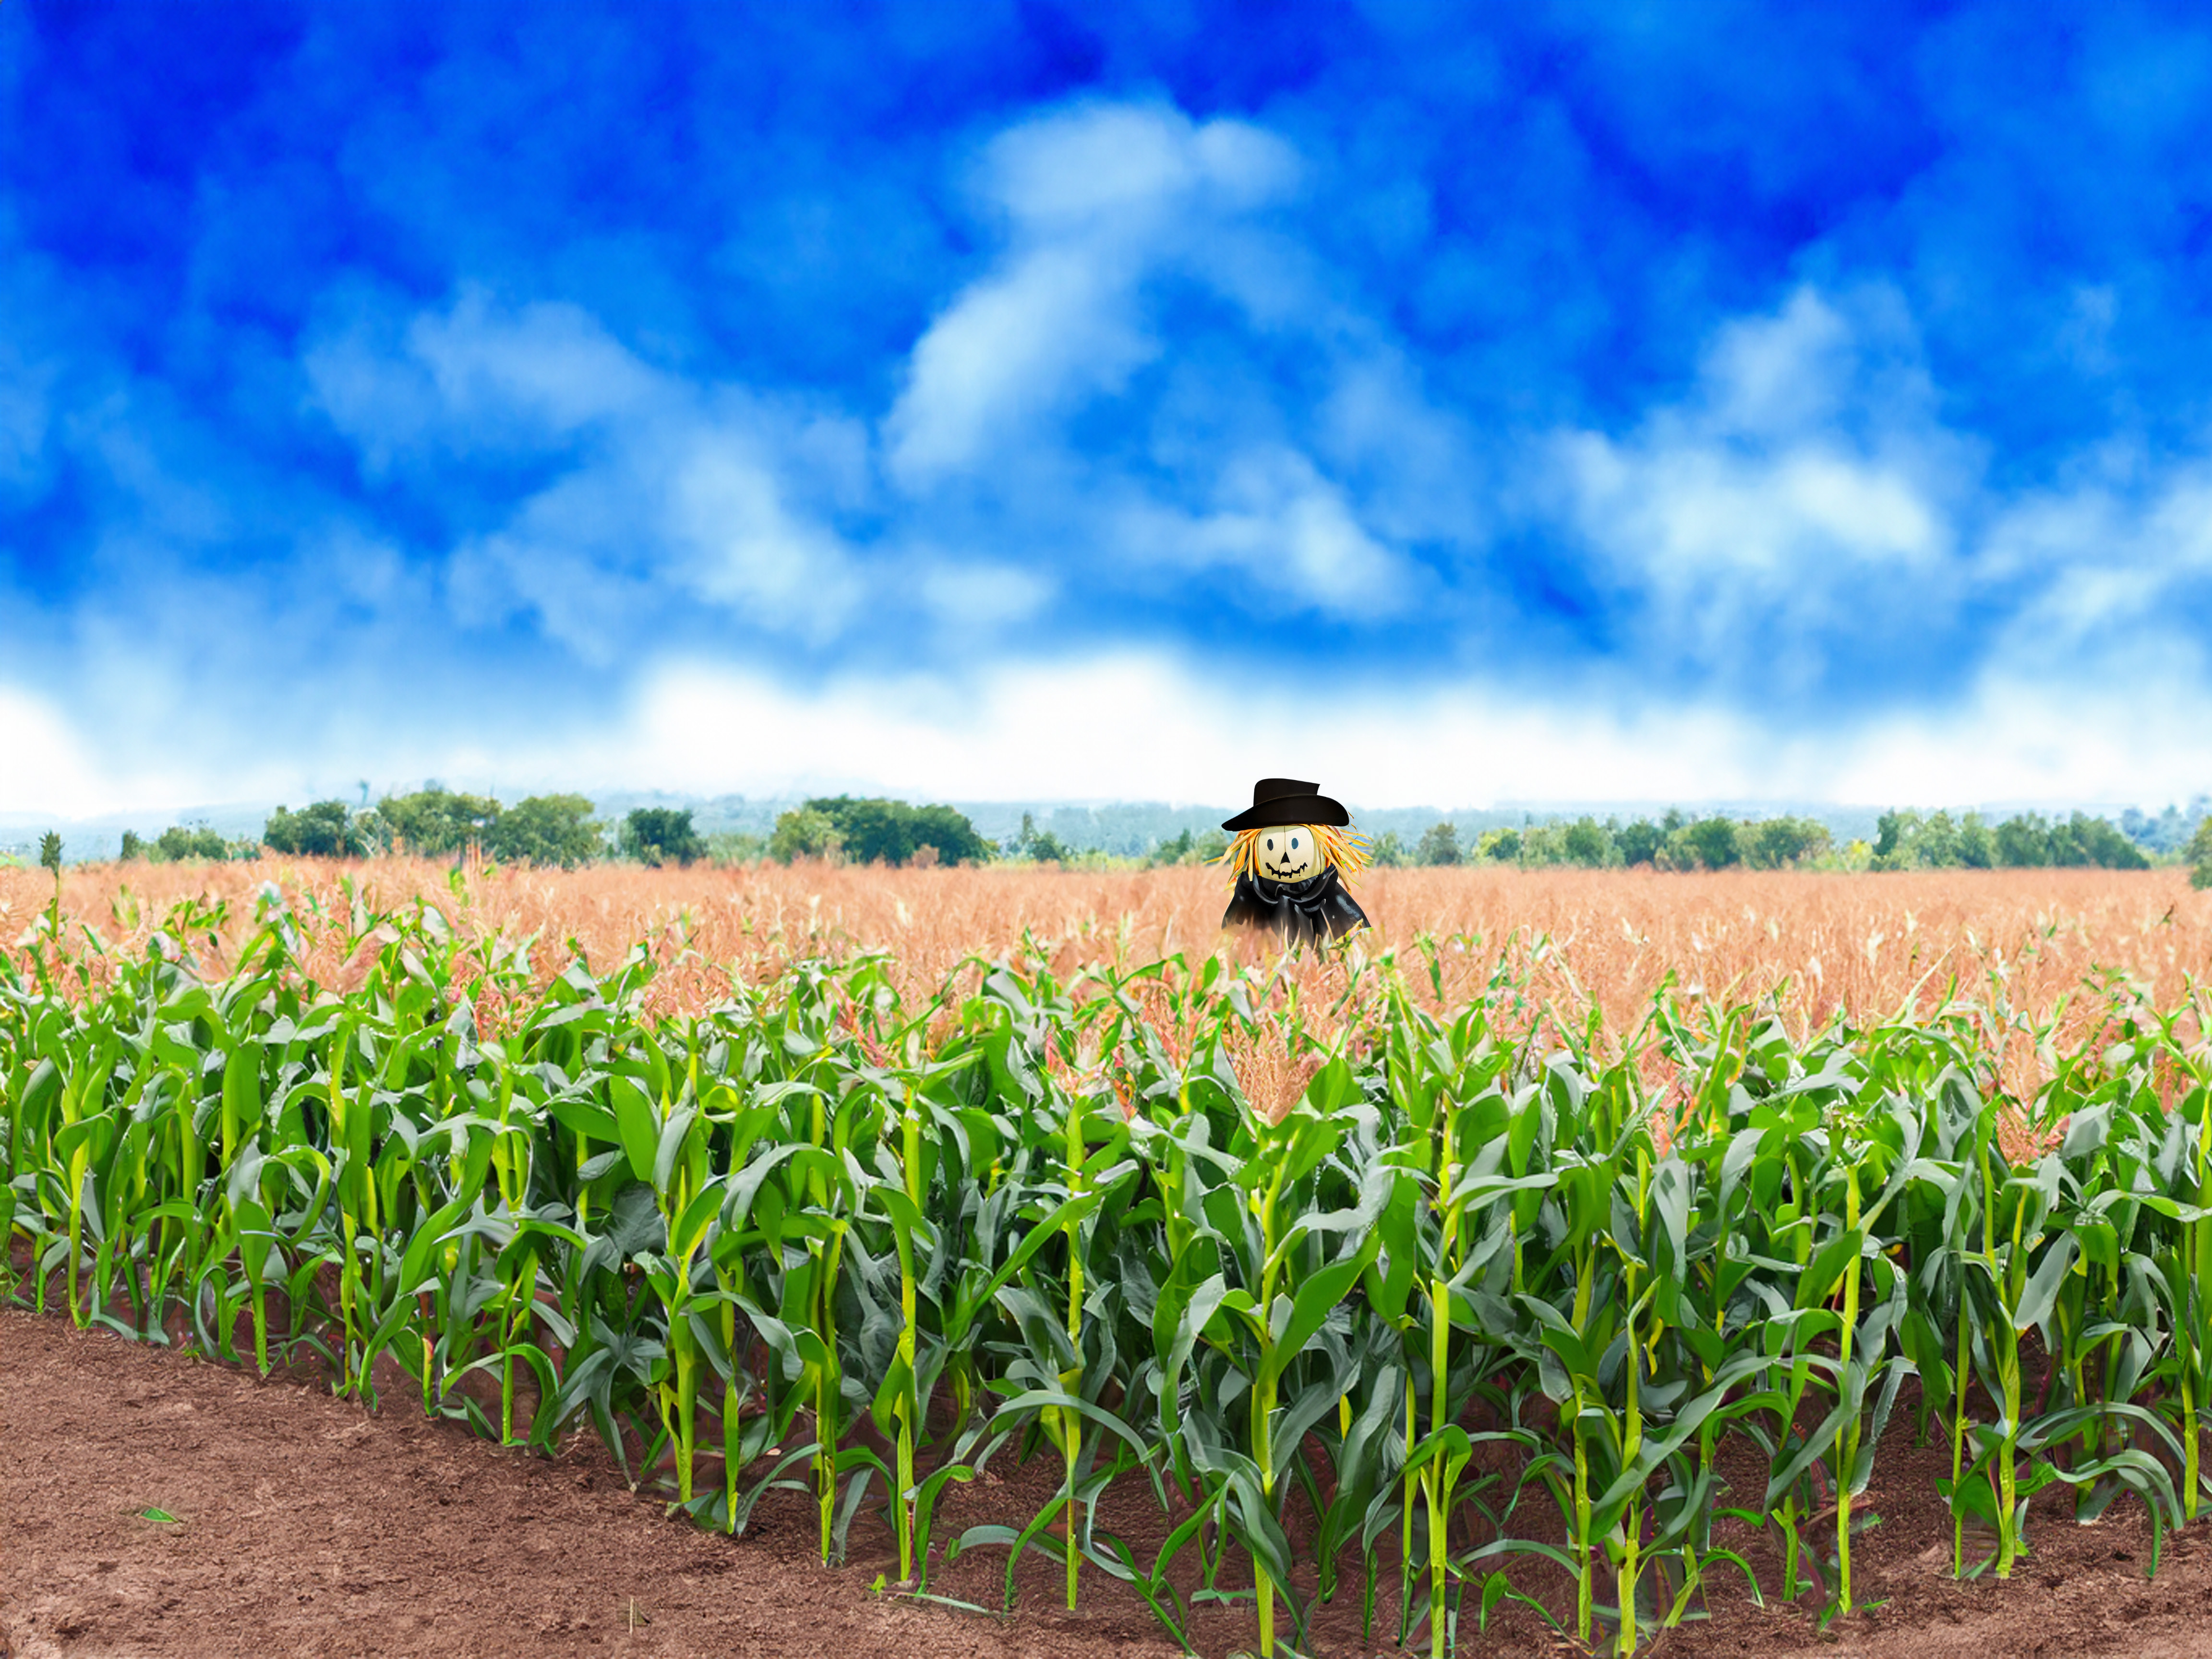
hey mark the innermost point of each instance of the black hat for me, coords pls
(1287, 800)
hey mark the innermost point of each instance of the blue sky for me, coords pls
(1041, 401)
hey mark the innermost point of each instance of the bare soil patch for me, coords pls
(305, 1526)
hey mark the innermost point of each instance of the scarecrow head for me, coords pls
(1290, 834)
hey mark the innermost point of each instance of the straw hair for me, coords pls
(1346, 849)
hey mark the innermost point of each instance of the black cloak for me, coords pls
(1313, 909)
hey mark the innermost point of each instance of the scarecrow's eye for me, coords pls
(1294, 844)
(1271, 843)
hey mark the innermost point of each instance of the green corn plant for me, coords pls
(2190, 1266)
(1064, 1426)
(1603, 1262)
(823, 1204)
(50, 857)
(830, 1200)
(1298, 1287)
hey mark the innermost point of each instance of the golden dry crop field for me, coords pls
(1818, 942)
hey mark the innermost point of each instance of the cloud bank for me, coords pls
(1549, 407)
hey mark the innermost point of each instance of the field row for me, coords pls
(1868, 945)
(1392, 1276)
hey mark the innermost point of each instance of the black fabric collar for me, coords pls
(1307, 895)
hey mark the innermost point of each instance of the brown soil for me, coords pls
(305, 1526)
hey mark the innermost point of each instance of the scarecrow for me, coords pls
(1290, 854)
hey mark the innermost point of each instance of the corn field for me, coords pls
(1812, 942)
(1395, 1276)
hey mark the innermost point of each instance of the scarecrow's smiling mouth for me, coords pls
(1277, 872)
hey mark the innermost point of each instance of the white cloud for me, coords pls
(669, 511)
(43, 763)
(2105, 550)
(1136, 725)
(1103, 207)
(749, 551)
(1129, 726)
(1121, 166)
(1803, 478)
(1682, 513)
(2026, 734)
(473, 378)
(980, 599)
(1098, 199)
(48, 766)
(1286, 531)
(677, 492)
(2114, 579)
(1782, 374)
(1132, 725)
(1424, 475)
(1014, 350)
(548, 363)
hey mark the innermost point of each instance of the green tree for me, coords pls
(803, 833)
(1978, 847)
(1041, 845)
(326, 830)
(873, 828)
(661, 834)
(892, 830)
(545, 830)
(737, 845)
(1936, 847)
(1389, 851)
(180, 842)
(1587, 843)
(1175, 850)
(1542, 844)
(134, 847)
(1772, 844)
(2170, 832)
(1439, 844)
(434, 822)
(2199, 854)
(2023, 841)
(1641, 841)
(1713, 842)
(2067, 848)
(1499, 845)
(948, 830)
(2097, 842)
(1892, 839)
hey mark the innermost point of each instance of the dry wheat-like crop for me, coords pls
(1867, 946)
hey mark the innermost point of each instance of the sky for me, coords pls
(1031, 401)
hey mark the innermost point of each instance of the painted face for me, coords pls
(1292, 853)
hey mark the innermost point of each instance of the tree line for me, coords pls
(1903, 841)
(561, 830)
(432, 822)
